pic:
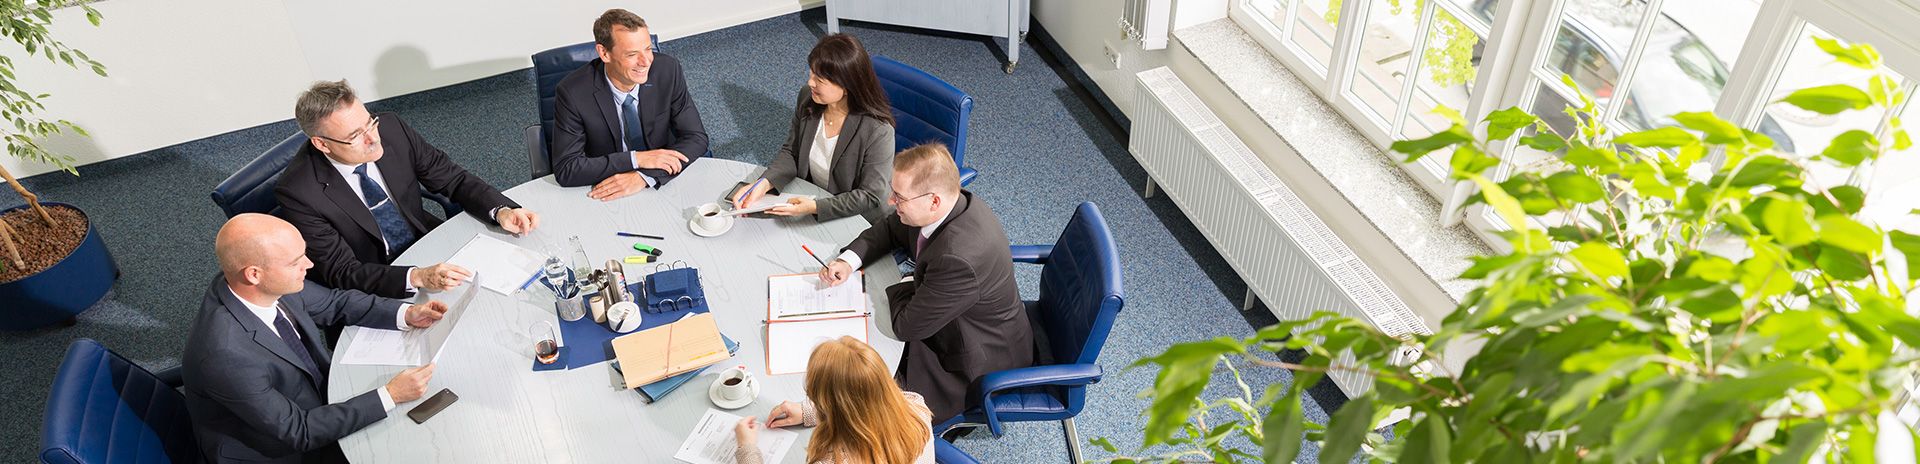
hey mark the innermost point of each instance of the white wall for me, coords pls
(182, 70)
(1085, 27)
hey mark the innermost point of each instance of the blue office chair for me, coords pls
(1080, 294)
(250, 190)
(106, 409)
(926, 109)
(549, 67)
(946, 453)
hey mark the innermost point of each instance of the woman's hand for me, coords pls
(797, 206)
(760, 189)
(787, 414)
(747, 432)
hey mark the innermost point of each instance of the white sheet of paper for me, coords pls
(766, 202)
(802, 295)
(382, 347)
(509, 266)
(790, 344)
(712, 442)
(376, 347)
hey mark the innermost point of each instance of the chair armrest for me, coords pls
(1057, 374)
(1032, 254)
(170, 376)
(537, 159)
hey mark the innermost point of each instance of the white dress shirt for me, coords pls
(820, 158)
(268, 313)
(619, 100)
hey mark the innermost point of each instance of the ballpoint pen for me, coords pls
(631, 234)
(816, 258)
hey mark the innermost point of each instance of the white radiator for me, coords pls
(1285, 253)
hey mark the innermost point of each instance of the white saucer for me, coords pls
(713, 393)
(699, 230)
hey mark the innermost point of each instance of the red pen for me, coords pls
(816, 258)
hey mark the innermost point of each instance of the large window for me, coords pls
(1386, 65)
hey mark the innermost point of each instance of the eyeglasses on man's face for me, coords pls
(356, 137)
(897, 199)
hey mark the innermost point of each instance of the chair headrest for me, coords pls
(250, 189)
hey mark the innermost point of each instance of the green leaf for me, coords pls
(1502, 203)
(1184, 371)
(1851, 198)
(1665, 137)
(1581, 155)
(1851, 147)
(1503, 123)
(1575, 187)
(1544, 141)
(1829, 99)
(1430, 441)
(1600, 259)
(1282, 429)
(1717, 130)
(1417, 148)
(1469, 160)
(1848, 234)
(1765, 170)
(1842, 264)
(1347, 429)
(1801, 440)
(1882, 89)
(1859, 56)
(1606, 356)
(1104, 444)
(1720, 305)
(1786, 220)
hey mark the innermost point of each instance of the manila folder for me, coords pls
(649, 355)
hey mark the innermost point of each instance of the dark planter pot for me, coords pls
(57, 294)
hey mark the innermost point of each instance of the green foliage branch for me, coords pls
(26, 23)
(1693, 296)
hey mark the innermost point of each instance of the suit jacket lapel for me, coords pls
(959, 207)
(603, 97)
(262, 334)
(842, 166)
(803, 150)
(650, 98)
(335, 188)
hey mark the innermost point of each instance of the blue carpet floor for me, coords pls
(1041, 144)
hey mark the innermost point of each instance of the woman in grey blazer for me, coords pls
(841, 138)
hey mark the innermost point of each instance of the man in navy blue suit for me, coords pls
(625, 121)
(255, 366)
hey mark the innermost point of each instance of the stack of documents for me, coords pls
(650, 355)
(802, 313)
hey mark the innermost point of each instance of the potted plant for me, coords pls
(53, 264)
(1694, 296)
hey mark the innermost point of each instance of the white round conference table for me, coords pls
(508, 412)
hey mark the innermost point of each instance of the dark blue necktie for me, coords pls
(300, 351)
(393, 227)
(630, 118)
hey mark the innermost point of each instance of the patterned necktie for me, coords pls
(292, 337)
(393, 227)
(630, 119)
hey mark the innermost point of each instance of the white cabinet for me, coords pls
(1004, 19)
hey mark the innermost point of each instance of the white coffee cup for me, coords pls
(735, 384)
(712, 216)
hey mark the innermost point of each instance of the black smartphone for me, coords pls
(727, 196)
(432, 406)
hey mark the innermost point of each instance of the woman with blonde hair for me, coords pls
(862, 417)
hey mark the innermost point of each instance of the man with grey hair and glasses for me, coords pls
(355, 190)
